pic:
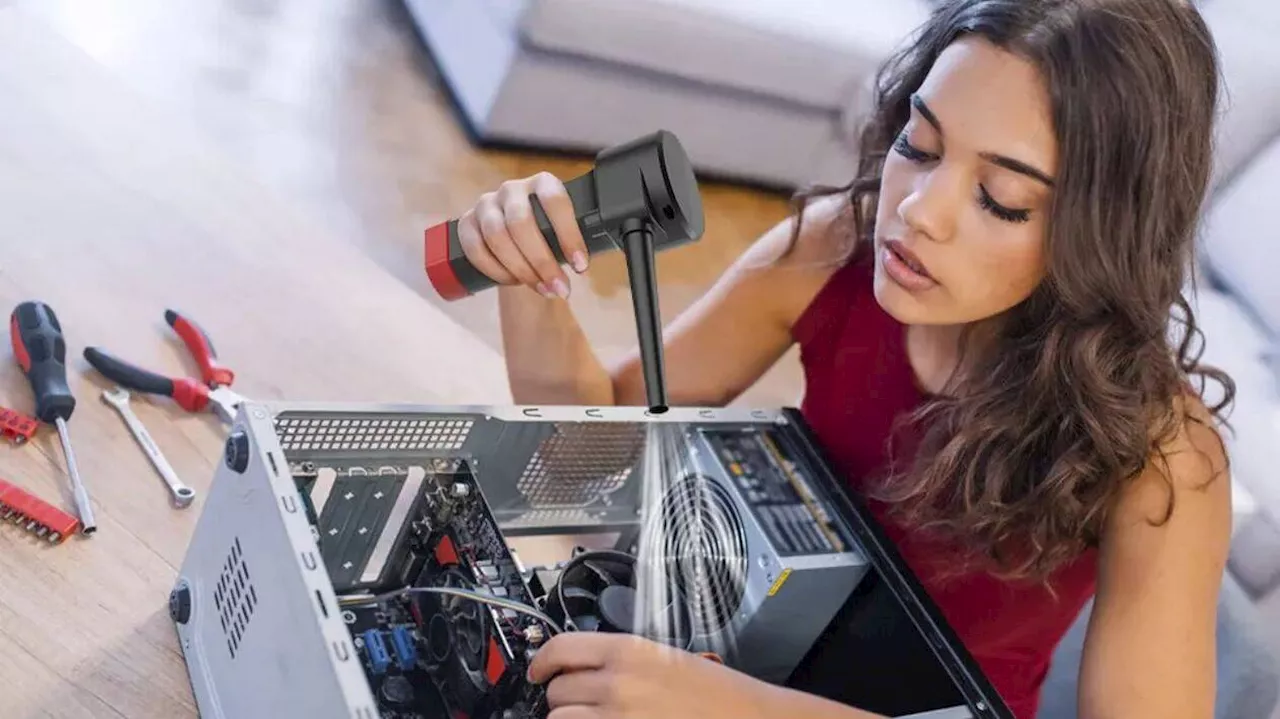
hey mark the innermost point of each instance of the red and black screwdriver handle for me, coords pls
(648, 182)
(41, 352)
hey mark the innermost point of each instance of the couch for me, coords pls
(769, 92)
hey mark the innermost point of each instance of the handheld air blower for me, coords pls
(641, 196)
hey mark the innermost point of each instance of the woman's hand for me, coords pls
(621, 676)
(501, 237)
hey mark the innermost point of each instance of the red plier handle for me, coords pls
(190, 394)
(201, 348)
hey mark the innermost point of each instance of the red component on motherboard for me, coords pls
(17, 426)
(35, 515)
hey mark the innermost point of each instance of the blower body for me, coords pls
(640, 197)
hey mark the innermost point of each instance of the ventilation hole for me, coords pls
(309, 560)
(581, 462)
(290, 506)
(670, 213)
(320, 600)
(341, 651)
(271, 459)
(235, 598)
(362, 434)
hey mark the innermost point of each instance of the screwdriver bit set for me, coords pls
(35, 515)
(16, 426)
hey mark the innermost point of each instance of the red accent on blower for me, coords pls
(439, 271)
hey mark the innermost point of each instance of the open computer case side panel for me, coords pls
(254, 608)
(983, 701)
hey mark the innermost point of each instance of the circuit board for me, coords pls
(446, 642)
(389, 644)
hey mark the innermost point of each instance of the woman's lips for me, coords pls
(904, 268)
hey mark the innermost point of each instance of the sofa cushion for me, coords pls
(1234, 343)
(1240, 245)
(1245, 32)
(814, 53)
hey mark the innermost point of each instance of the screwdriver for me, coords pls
(42, 354)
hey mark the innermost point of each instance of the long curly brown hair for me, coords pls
(1022, 461)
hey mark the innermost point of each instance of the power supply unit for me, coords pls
(362, 560)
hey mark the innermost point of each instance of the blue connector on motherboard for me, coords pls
(376, 647)
(406, 648)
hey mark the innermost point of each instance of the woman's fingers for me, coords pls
(580, 688)
(555, 202)
(478, 253)
(501, 236)
(493, 227)
(576, 712)
(521, 226)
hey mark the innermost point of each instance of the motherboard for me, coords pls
(442, 616)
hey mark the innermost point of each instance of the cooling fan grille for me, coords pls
(698, 539)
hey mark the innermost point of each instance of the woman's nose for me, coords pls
(933, 204)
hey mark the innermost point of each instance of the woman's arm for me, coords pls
(1150, 649)
(713, 351)
(622, 676)
(721, 345)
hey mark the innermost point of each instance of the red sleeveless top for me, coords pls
(857, 382)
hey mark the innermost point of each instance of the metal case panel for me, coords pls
(265, 637)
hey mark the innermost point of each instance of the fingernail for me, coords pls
(541, 289)
(560, 288)
(579, 262)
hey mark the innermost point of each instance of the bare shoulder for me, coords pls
(794, 259)
(817, 236)
(1187, 479)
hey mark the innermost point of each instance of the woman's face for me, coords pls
(966, 189)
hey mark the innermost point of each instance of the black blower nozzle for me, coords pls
(641, 197)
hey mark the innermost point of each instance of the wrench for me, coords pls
(181, 494)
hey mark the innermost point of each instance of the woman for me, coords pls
(984, 317)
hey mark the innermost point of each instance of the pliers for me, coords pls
(192, 395)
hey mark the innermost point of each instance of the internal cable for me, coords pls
(364, 600)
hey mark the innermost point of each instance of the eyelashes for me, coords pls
(1000, 211)
(985, 201)
(904, 148)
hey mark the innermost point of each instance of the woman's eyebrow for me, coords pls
(1006, 162)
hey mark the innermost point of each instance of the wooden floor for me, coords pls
(335, 105)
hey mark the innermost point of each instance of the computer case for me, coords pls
(316, 506)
